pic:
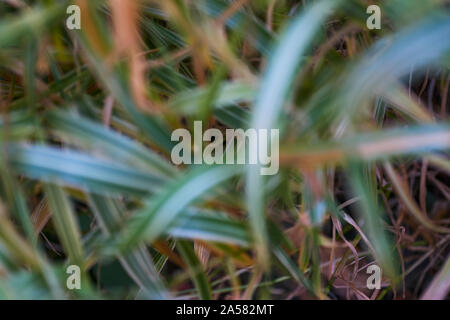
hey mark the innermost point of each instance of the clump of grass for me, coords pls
(85, 171)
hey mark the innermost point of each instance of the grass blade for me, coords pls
(272, 95)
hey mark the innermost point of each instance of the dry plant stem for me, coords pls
(423, 189)
(405, 196)
(331, 266)
(399, 233)
(234, 279)
(357, 228)
(269, 15)
(175, 57)
(41, 216)
(439, 162)
(444, 105)
(230, 11)
(445, 190)
(432, 263)
(202, 253)
(13, 239)
(107, 110)
(254, 281)
(424, 85)
(127, 41)
(338, 226)
(440, 285)
(426, 255)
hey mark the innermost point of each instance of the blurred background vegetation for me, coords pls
(85, 170)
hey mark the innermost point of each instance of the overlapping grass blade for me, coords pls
(229, 93)
(138, 262)
(391, 58)
(377, 145)
(35, 21)
(81, 170)
(370, 210)
(97, 137)
(66, 224)
(165, 208)
(195, 268)
(272, 95)
(198, 224)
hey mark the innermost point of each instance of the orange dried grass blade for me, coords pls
(125, 17)
(91, 31)
(202, 252)
(166, 250)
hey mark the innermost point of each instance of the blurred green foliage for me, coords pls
(85, 138)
